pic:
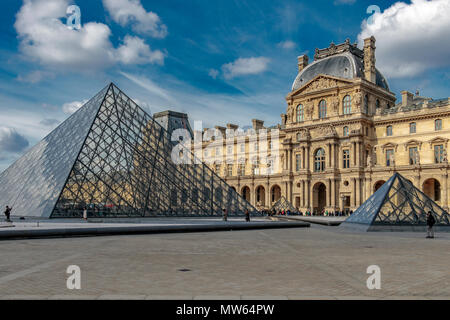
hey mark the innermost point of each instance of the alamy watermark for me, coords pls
(374, 281)
(74, 17)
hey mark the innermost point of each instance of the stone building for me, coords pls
(342, 136)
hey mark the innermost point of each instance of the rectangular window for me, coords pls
(412, 127)
(389, 131)
(438, 125)
(229, 149)
(256, 146)
(230, 170)
(389, 157)
(298, 162)
(242, 147)
(346, 159)
(439, 153)
(413, 155)
(241, 170)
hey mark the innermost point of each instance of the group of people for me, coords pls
(326, 213)
(225, 215)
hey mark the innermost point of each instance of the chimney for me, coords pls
(257, 124)
(232, 126)
(302, 62)
(407, 98)
(369, 59)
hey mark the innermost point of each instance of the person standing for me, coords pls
(430, 223)
(247, 215)
(85, 214)
(8, 213)
(225, 215)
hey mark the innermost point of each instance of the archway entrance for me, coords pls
(319, 197)
(432, 188)
(275, 193)
(246, 193)
(260, 196)
(378, 185)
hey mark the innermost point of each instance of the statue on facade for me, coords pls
(369, 160)
(392, 159)
(444, 156)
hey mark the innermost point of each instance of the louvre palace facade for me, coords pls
(342, 136)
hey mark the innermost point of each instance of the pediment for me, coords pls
(320, 82)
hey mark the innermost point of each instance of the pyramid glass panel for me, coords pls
(124, 169)
(397, 202)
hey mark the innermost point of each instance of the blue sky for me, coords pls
(219, 61)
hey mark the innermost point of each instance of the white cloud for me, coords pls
(71, 107)
(131, 12)
(245, 66)
(11, 141)
(287, 44)
(411, 38)
(135, 51)
(44, 38)
(213, 73)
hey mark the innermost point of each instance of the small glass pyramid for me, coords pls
(397, 203)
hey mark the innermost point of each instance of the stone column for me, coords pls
(329, 155)
(289, 160)
(329, 193)
(333, 159)
(358, 192)
(308, 194)
(267, 195)
(354, 193)
(302, 200)
(307, 158)
(252, 194)
(358, 154)
(445, 179)
(354, 153)
(303, 158)
(333, 193)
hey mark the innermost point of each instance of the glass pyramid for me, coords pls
(283, 204)
(398, 202)
(114, 160)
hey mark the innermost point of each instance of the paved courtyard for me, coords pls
(305, 263)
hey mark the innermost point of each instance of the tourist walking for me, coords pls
(85, 214)
(225, 215)
(430, 223)
(8, 213)
(247, 215)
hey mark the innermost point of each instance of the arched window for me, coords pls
(366, 104)
(377, 104)
(347, 104)
(345, 131)
(300, 113)
(322, 109)
(319, 160)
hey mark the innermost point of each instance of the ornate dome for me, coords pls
(348, 64)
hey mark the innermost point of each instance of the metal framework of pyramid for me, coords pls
(112, 159)
(283, 204)
(396, 203)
